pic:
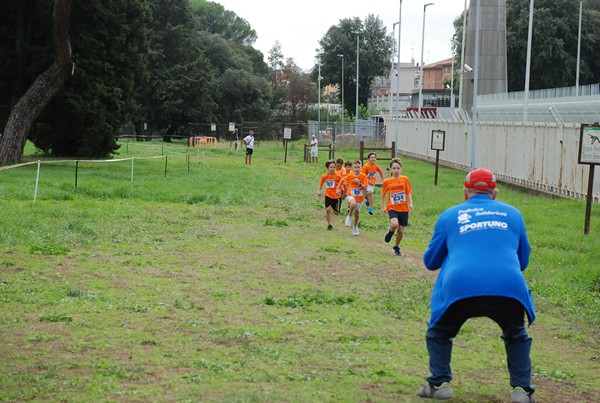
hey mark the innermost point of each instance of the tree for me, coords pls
(239, 84)
(298, 92)
(375, 48)
(554, 43)
(215, 19)
(109, 48)
(43, 89)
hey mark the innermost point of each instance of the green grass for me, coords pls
(219, 282)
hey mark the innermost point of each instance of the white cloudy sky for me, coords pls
(299, 24)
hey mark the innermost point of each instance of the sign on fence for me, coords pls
(589, 153)
(438, 142)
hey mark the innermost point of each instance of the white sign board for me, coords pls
(589, 145)
(438, 140)
(231, 127)
(213, 127)
(287, 133)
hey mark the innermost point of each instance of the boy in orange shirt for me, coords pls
(339, 167)
(331, 179)
(371, 169)
(399, 203)
(356, 183)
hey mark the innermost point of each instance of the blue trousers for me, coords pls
(508, 313)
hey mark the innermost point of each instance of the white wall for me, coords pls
(542, 157)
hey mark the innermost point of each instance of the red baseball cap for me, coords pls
(480, 179)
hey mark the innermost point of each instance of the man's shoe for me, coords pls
(348, 221)
(442, 392)
(388, 236)
(330, 227)
(397, 251)
(520, 395)
(355, 231)
(371, 211)
(367, 202)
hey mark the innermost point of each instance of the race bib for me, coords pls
(398, 198)
(371, 174)
(357, 192)
(330, 184)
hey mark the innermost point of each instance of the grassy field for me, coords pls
(211, 280)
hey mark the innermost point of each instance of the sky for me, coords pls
(299, 24)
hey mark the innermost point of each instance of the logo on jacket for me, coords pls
(464, 218)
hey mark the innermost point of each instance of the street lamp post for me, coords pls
(342, 85)
(319, 111)
(357, 73)
(422, 62)
(392, 69)
(578, 48)
(462, 57)
(475, 87)
(528, 63)
(397, 134)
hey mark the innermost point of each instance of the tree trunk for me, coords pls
(41, 92)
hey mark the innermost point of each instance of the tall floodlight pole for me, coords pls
(452, 81)
(578, 48)
(319, 111)
(392, 69)
(357, 74)
(462, 57)
(422, 58)
(475, 89)
(398, 79)
(342, 57)
(528, 64)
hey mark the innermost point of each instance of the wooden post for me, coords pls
(437, 165)
(588, 201)
(76, 172)
(362, 150)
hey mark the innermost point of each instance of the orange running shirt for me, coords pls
(341, 171)
(371, 171)
(398, 190)
(352, 189)
(331, 182)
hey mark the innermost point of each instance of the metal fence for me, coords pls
(538, 156)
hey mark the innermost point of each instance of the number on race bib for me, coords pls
(398, 198)
(330, 184)
(357, 192)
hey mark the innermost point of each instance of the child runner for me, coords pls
(339, 167)
(399, 203)
(331, 179)
(356, 183)
(371, 169)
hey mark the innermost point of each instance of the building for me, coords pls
(392, 94)
(436, 75)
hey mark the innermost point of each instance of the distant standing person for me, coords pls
(371, 169)
(356, 183)
(481, 248)
(331, 179)
(249, 141)
(314, 149)
(398, 192)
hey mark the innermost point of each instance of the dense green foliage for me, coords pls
(375, 47)
(157, 64)
(554, 43)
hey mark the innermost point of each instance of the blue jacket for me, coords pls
(481, 247)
